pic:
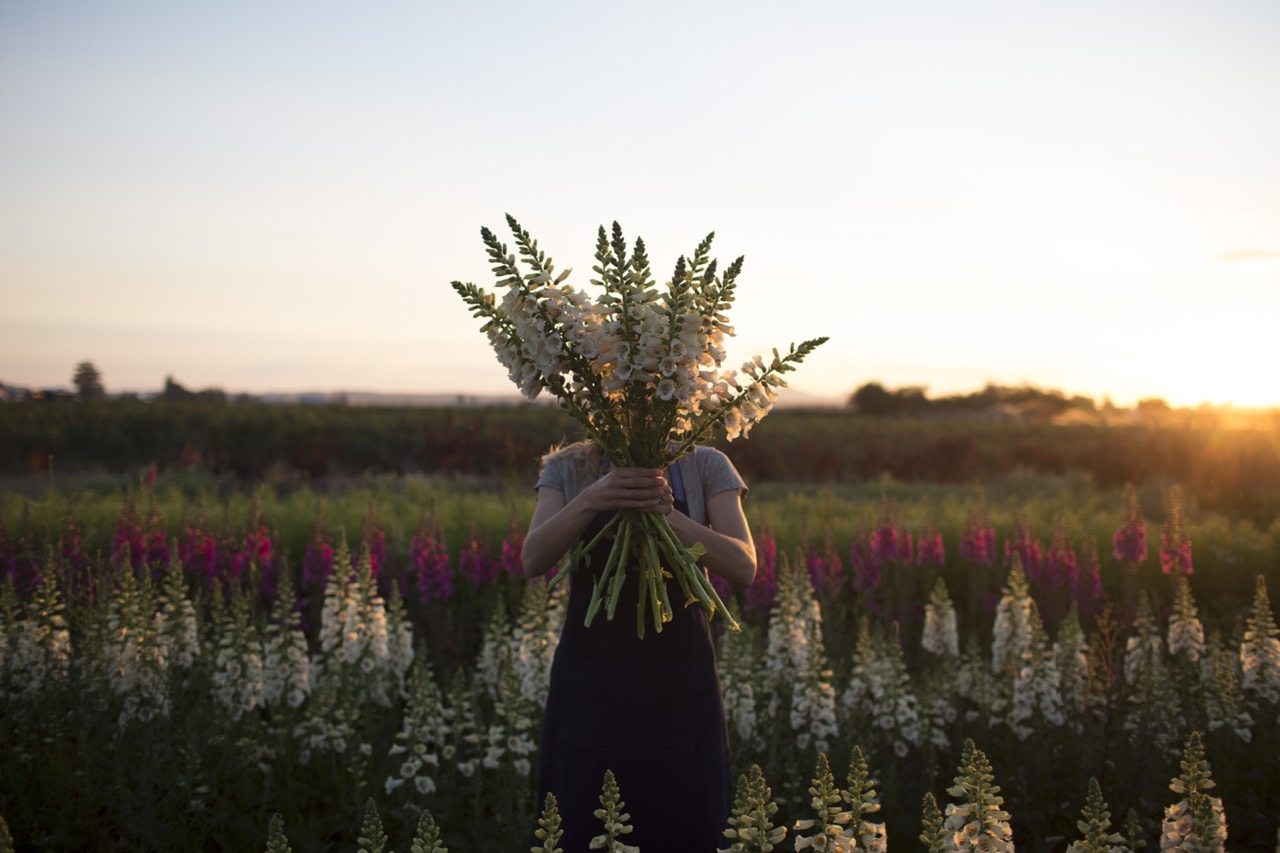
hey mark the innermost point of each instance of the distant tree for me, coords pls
(874, 399)
(174, 391)
(88, 381)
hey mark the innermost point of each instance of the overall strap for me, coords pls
(677, 482)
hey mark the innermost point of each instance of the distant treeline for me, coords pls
(1235, 469)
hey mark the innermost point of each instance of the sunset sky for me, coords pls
(274, 197)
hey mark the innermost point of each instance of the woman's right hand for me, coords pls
(631, 488)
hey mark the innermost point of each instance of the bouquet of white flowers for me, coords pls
(640, 370)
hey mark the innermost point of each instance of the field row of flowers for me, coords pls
(148, 707)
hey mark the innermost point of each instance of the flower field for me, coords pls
(1039, 663)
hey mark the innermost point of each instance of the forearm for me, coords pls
(727, 556)
(545, 544)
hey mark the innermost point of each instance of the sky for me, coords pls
(275, 196)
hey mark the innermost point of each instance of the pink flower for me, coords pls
(429, 561)
(764, 589)
(1088, 586)
(978, 545)
(509, 560)
(1175, 544)
(476, 563)
(1028, 550)
(317, 563)
(884, 544)
(1175, 556)
(904, 546)
(1060, 565)
(1130, 540)
(866, 570)
(929, 549)
(823, 564)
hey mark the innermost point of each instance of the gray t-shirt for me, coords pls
(705, 471)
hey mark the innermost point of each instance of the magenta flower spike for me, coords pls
(509, 560)
(764, 589)
(1088, 587)
(429, 559)
(1130, 540)
(865, 569)
(929, 549)
(317, 563)
(476, 563)
(1175, 544)
(884, 544)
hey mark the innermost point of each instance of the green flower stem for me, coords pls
(640, 612)
(650, 563)
(620, 570)
(609, 566)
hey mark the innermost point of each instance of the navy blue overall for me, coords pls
(650, 710)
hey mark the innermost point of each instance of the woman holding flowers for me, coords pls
(648, 709)
(641, 501)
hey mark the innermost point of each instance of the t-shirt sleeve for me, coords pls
(719, 475)
(553, 475)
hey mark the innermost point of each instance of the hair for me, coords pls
(584, 455)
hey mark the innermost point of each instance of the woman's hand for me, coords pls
(643, 489)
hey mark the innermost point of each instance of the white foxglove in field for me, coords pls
(829, 830)
(751, 828)
(399, 642)
(418, 747)
(795, 661)
(238, 675)
(462, 725)
(1036, 697)
(880, 692)
(508, 739)
(1146, 646)
(534, 640)
(177, 628)
(862, 800)
(1197, 822)
(36, 650)
(329, 723)
(736, 660)
(1260, 649)
(1095, 825)
(1071, 654)
(974, 681)
(355, 641)
(976, 821)
(132, 656)
(286, 661)
(1186, 634)
(495, 648)
(613, 816)
(1220, 689)
(1154, 702)
(1012, 630)
(940, 636)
